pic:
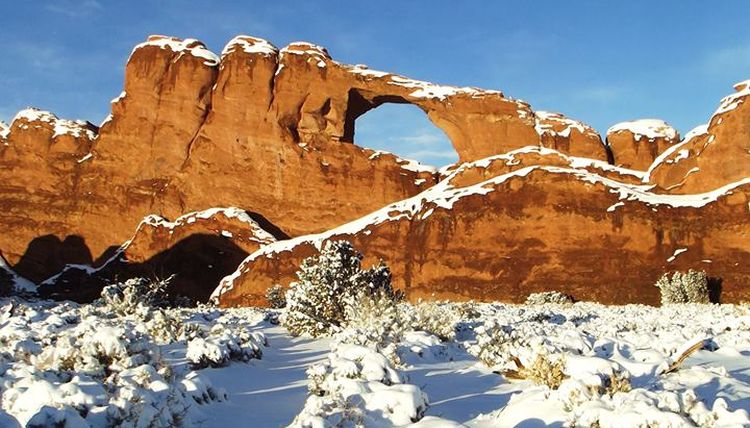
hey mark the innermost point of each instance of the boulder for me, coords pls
(636, 144)
(570, 136)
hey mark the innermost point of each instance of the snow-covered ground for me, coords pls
(498, 365)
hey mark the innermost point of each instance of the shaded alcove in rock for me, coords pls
(394, 125)
(47, 255)
(196, 265)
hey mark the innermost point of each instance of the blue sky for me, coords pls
(598, 61)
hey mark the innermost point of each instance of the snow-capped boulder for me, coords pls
(636, 144)
(36, 132)
(569, 136)
(156, 234)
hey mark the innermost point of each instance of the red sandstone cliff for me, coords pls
(533, 203)
(524, 229)
(712, 154)
(535, 219)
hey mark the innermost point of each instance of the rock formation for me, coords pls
(521, 229)
(570, 136)
(195, 251)
(537, 201)
(537, 220)
(638, 143)
(260, 128)
(711, 155)
(11, 282)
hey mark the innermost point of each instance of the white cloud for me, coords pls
(441, 154)
(423, 138)
(74, 8)
(730, 60)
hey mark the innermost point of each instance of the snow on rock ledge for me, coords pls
(190, 47)
(156, 234)
(570, 136)
(710, 155)
(648, 128)
(35, 118)
(455, 221)
(250, 45)
(196, 250)
(732, 101)
(636, 144)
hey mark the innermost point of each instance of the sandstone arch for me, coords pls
(394, 125)
(257, 127)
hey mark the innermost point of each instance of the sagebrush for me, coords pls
(330, 283)
(684, 287)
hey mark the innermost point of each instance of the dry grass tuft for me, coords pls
(543, 371)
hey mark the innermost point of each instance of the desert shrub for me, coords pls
(468, 310)
(438, 318)
(223, 345)
(617, 381)
(375, 322)
(328, 284)
(684, 287)
(543, 370)
(133, 296)
(494, 344)
(554, 297)
(275, 297)
(358, 386)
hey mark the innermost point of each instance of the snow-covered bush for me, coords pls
(375, 323)
(84, 366)
(467, 310)
(438, 318)
(655, 409)
(275, 297)
(328, 284)
(358, 386)
(684, 287)
(548, 297)
(223, 345)
(494, 344)
(134, 296)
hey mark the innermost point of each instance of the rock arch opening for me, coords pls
(395, 125)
